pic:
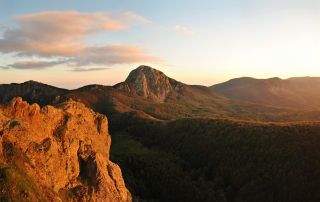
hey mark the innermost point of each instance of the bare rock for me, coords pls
(68, 148)
(150, 83)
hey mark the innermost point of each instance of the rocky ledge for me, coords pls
(68, 147)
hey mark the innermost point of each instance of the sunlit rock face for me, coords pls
(66, 145)
(150, 83)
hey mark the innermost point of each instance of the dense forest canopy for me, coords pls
(225, 160)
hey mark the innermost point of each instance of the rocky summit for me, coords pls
(150, 83)
(67, 148)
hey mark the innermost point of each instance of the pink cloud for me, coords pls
(60, 33)
(56, 26)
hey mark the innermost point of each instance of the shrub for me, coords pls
(98, 122)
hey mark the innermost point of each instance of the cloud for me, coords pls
(113, 54)
(88, 70)
(87, 55)
(4, 68)
(60, 26)
(59, 34)
(34, 64)
(184, 29)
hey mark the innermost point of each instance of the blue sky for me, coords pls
(195, 42)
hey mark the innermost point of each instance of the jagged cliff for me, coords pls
(150, 83)
(68, 148)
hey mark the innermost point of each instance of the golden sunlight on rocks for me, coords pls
(68, 147)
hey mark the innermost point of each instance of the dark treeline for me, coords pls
(158, 176)
(232, 160)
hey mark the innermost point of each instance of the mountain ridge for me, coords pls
(288, 93)
(155, 95)
(151, 83)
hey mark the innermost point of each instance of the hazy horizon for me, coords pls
(72, 44)
(61, 85)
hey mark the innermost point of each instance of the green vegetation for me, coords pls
(15, 183)
(151, 174)
(234, 160)
(124, 143)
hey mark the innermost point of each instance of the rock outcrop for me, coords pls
(150, 83)
(68, 147)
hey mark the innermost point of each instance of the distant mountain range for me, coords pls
(156, 95)
(296, 93)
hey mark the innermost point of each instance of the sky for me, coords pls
(72, 43)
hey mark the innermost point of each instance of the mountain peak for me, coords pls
(146, 67)
(144, 70)
(150, 83)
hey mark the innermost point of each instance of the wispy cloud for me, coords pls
(184, 30)
(88, 70)
(35, 64)
(58, 34)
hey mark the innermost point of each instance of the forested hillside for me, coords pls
(226, 160)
